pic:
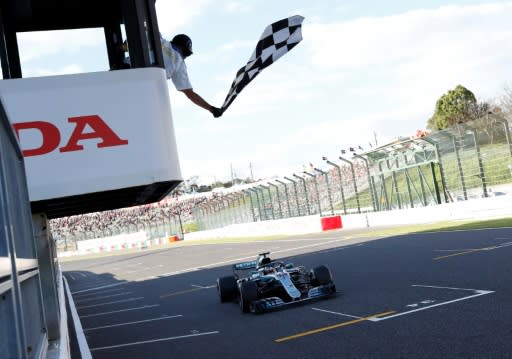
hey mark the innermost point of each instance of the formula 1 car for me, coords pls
(273, 284)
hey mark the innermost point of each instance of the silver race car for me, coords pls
(273, 284)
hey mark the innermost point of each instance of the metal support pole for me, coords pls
(354, 180)
(254, 190)
(287, 196)
(278, 199)
(440, 164)
(252, 204)
(338, 168)
(371, 183)
(305, 191)
(482, 177)
(296, 194)
(270, 200)
(459, 166)
(328, 189)
(316, 190)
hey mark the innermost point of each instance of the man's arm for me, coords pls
(198, 100)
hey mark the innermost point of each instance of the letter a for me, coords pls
(100, 130)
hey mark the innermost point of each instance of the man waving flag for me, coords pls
(277, 39)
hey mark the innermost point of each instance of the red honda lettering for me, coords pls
(49, 133)
(100, 130)
(51, 137)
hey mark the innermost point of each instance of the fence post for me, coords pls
(459, 166)
(440, 164)
(354, 181)
(329, 197)
(296, 194)
(315, 183)
(305, 191)
(252, 204)
(483, 179)
(371, 183)
(270, 199)
(341, 184)
(278, 199)
(287, 197)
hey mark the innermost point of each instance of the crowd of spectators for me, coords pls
(183, 205)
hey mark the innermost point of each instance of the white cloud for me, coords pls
(39, 45)
(237, 7)
(174, 15)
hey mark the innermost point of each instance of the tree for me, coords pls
(456, 106)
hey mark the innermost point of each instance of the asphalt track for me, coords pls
(431, 295)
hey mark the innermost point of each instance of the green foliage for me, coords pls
(456, 106)
(190, 227)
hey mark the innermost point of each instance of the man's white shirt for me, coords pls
(175, 66)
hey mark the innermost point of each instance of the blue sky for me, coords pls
(364, 69)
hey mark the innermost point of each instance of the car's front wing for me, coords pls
(270, 303)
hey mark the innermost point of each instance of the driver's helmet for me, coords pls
(263, 261)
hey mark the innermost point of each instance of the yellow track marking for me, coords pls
(330, 327)
(184, 292)
(465, 252)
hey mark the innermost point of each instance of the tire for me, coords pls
(227, 288)
(321, 275)
(248, 294)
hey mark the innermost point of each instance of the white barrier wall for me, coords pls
(476, 209)
(107, 244)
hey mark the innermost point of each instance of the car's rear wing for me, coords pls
(245, 265)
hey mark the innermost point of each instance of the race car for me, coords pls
(273, 284)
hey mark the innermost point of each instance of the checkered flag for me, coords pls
(277, 39)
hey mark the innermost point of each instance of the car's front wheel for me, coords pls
(321, 275)
(248, 294)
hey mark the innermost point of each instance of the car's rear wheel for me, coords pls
(248, 294)
(227, 288)
(321, 275)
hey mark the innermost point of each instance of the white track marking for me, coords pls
(102, 297)
(438, 287)
(81, 296)
(337, 313)
(108, 303)
(120, 311)
(203, 286)
(129, 323)
(478, 293)
(156, 340)
(97, 288)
